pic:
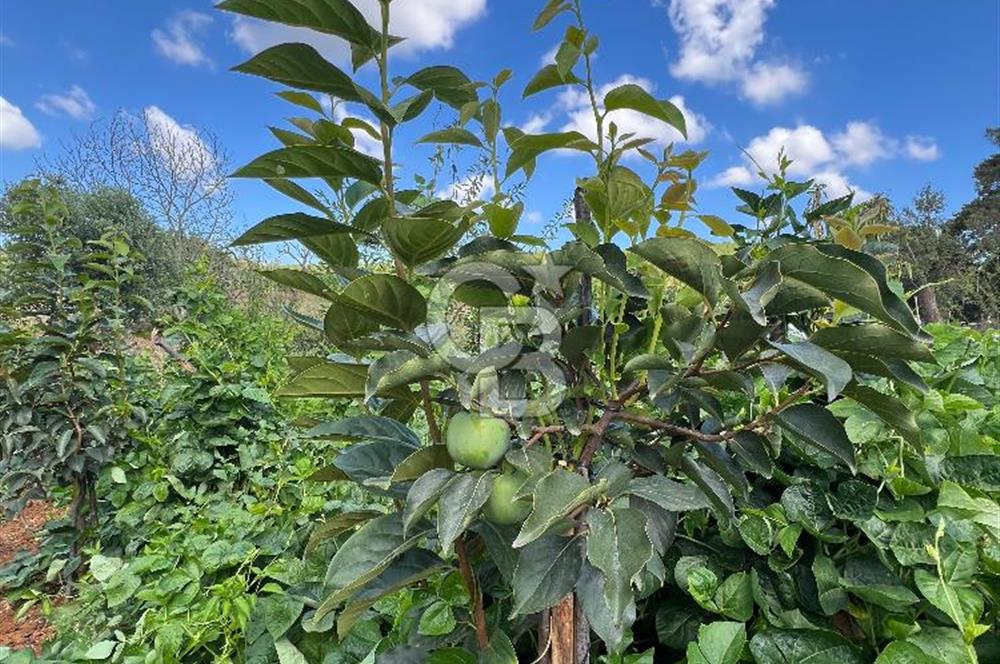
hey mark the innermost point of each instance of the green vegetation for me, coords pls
(458, 444)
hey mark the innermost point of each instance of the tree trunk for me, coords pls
(562, 633)
(927, 305)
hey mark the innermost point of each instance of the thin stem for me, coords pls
(598, 116)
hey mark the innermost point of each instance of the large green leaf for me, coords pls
(549, 77)
(290, 227)
(669, 494)
(297, 193)
(718, 643)
(334, 249)
(417, 240)
(448, 84)
(335, 17)
(301, 66)
(300, 280)
(327, 379)
(689, 260)
(840, 278)
(364, 556)
(555, 496)
(817, 427)
(454, 135)
(366, 427)
(617, 545)
(547, 570)
(890, 409)
(833, 371)
(424, 494)
(313, 161)
(867, 578)
(528, 147)
(799, 646)
(959, 601)
(459, 504)
(421, 461)
(633, 97)
(872, 339)
(387, 299)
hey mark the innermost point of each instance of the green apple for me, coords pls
(501, 507)
(477, 441)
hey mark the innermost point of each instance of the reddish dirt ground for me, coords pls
(20, 534)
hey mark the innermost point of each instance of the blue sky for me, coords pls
(875, 96)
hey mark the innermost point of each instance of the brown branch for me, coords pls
(601, 426)
(538, 433)
(469, 579)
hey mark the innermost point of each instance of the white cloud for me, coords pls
(75, 103)
(178, 42)
(426, 25)
(734, 176)
(921, 148)
(581, 116)
(179, 147)
(862, 143)
(815, 156)
(770, 83)
(536, 123)
(16, 131)
(719, 42)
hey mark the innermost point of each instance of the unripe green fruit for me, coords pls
(501, 507)
(477, 441)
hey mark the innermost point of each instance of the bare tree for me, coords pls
(178, 172)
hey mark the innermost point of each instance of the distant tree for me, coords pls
(179, 174)
(976, 228)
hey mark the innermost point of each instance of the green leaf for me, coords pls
(528, 147)
(717, 225)
(437, 620)
(833, 371)
(448, 84)
(290, 227)
(387, 299)
(889, 409)
(734, 598)
(459, 504)
(103, 567)
(943, 643)
(832, 598)
(423, 495)
(364, 556)
(335, 17)
(633, 97)
(840, 278)
(798, 646)
(551, 9)
(337, 524)
(617, 545)
(671, 495)
(327, 379)
(958, 601)
(313, 161)
(421, 461)
(301, 66)
(279, 613)
(300, 280)
(867, 578)
(556, 495)
(547, 570)
(590, 594)
(335, 249)
(718, 643)
(690, 261)
(297, 193)
(366, 427)
(100, 650)
(817, 427)
(901, 652)
(979, 471)
(453, 135)
(872, 339)
(417, 240)
(549, 77)
(499, 651)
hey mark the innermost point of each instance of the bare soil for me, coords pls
(21, 534)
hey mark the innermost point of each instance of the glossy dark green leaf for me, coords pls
(617, 545)
(872, 339)
(327, 379)
(547, 570)
(810, 358)
(452, 135)
(669, 494)
(425, 459)
(459, 504)
(448, 84)
(417, 240)
(335, 17)
(890, 409)
(787, 646)
(387, 299)
(816, 426)
(313, 161)
(690, 261)
(300, 280)
(555, 496)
